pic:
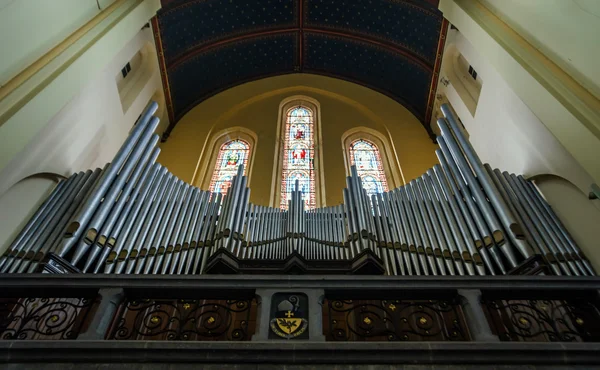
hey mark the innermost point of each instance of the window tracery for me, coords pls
(232, 154)
(298, 156)
(365, 155)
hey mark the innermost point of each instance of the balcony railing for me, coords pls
(506, 319)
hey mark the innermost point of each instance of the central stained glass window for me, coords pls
(298, 156)
(231, 155)
(367, 159)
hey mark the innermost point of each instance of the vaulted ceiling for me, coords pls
(207, 46)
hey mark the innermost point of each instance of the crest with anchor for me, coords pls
(288, 316)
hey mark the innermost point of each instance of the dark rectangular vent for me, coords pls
(125, 71)
(472, 72)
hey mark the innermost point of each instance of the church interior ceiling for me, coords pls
(208, 46)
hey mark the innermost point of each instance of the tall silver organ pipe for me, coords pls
(461, 217)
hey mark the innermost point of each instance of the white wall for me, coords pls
(88, 131)
(506, 134)
(566, 108)
(26, 106)
(566, 31)
(504, 131)
(30, 28)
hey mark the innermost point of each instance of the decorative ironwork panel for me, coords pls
(576, 320)
(44, 318)
(394, 320)
(199, 320)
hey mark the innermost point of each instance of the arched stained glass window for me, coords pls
(298, 156)
(231, 155)
(367, 159)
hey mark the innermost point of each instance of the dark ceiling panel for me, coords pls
(192, 24)
(219, 68)
(371, 65)
(399, 23)
(207, 46)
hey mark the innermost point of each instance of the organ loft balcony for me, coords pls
(464, 265)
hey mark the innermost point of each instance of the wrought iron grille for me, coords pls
(394, 320)
(574, 320)
(199, 320)
(44, 318)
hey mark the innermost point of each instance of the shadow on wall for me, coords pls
(20, 201)
(578, 213)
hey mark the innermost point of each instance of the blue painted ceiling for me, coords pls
(207, 46)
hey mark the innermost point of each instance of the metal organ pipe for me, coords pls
(147, 159)
(580, 259)
(460, 217)
(33, 222)
(79, 222)
(48, 224)
(50, 244)
(511, 226)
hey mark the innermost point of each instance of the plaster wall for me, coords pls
(255, 106)
(562, 105)
(29, 102)
(566, 31)
(29, 28)
(86, 133)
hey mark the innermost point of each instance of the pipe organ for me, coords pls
(461, 217)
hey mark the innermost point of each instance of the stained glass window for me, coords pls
(298, 156)
(367, 159)
(231, 155)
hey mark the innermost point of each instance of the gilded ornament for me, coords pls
(186, 306)
(54, 318)
(154, 319)
(367, 320)
(523, 321)
(211, 320)
(422, 320)
(579, 321)
(392, 307)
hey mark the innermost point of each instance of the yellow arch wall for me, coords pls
(255, 105)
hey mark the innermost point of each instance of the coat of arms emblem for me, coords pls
(289, 316)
